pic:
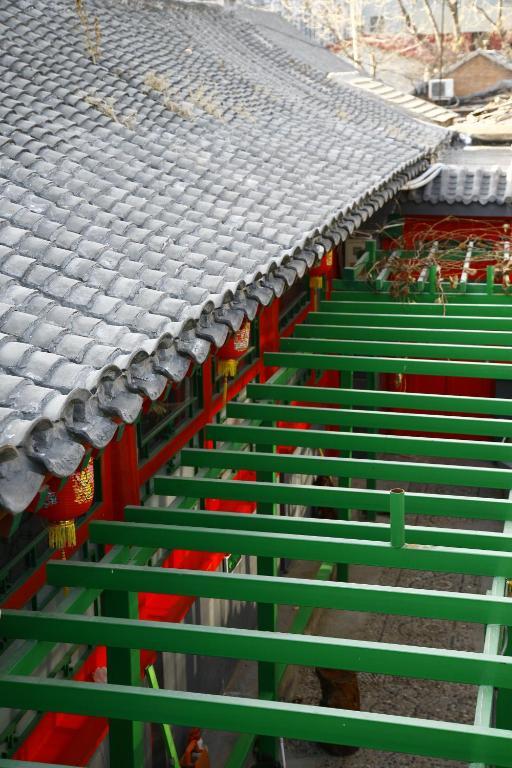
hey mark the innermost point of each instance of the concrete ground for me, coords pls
(380, 693)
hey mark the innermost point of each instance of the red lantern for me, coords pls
(324, 269)
(63, 505)
(234, 348)
(229, 354)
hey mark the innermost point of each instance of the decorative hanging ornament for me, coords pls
(229, 355)
(324, 269)
(318, 274)
(63, 505)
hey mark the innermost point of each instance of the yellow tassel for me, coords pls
(227, 368)
(62, 534)
(316, 282)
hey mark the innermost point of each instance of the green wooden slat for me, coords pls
(477, 450)
(414, 422)
(334, 653)
(399, 348)
(319, 362)
(335, 498)
(279, 719)
(307, 526)
(373, 553)
(478, 297)
(338, 595)
(479, 477)
(24, 661)
(382, 303)
(492, 406)
(29, 764)
(404, 334)
(383, 318)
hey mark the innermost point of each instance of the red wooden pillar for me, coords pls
(122, 483)
(269, 334)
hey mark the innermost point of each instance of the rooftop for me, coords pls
(164, 168)
(474, 174)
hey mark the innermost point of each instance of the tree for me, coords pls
(403, 39)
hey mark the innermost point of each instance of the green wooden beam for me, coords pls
(381, 399)
(334, 498)
(415, 472)
(293, 546)
(26, 660)
(401, 349)
(478, 298)
(307, 526)
(477, 450)
(323, 362)
(383, 317)
(305, 650)
(460, 337)
(28, 764)
(383, 304)
(481, 609)
(371, 419)
(280, 719)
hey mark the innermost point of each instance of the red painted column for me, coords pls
(269, 334)
(123, 484)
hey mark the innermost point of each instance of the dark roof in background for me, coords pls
(496, 57)
(151, 200)
(470, 175)
(287, 37)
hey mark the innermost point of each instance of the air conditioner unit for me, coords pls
(440, 90)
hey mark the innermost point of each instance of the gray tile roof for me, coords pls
(473, 175)
(420, 108)
(288, 37)
(152, 199)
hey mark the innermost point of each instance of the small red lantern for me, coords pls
(229, 355)
(324, 269)
(63, 505)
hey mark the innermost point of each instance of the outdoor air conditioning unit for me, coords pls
(440, 90)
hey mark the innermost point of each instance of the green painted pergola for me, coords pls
(359, 329)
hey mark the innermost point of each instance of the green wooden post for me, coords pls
(503, 707)
(347, 382)
(490, 279)
(371, 248)
(371, 483)
(432, 278)
(397, 517)
(266, 747)
(126, 737)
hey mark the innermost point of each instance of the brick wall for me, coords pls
(477, 74)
